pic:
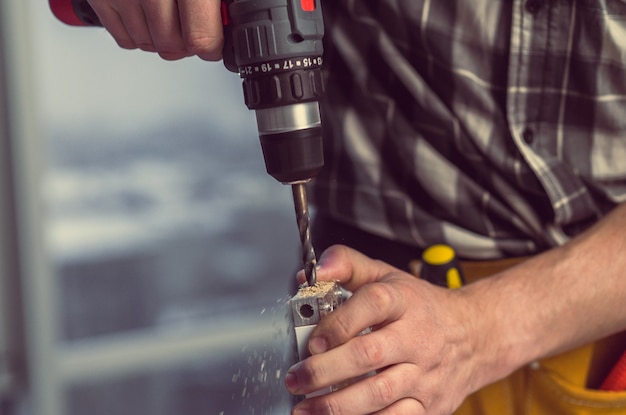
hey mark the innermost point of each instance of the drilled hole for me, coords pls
(306, 311)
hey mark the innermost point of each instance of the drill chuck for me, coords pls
(291, 140)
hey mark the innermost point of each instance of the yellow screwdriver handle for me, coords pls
(441, 266)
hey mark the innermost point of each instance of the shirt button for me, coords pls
(533, 6)
(528, 135)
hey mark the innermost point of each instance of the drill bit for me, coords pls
(304, 227)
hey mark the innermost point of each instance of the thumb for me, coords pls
(351, 268)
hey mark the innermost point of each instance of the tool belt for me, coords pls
(562, 385)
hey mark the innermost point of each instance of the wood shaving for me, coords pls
(319, 287)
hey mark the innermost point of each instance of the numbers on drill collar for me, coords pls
(309, 62)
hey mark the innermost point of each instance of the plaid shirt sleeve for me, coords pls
(497, 127)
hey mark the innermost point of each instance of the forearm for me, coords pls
(556, 301)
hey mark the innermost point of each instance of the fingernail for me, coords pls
(318, 345)
(291, 379)
(301, 411)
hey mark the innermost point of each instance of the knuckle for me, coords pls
(383, 390)
(172, 56)
(407, 406)
(126, 43)
(171, 51)
(123, 40)
(169, 46)
(327, 405)
(370, 353)
(146, 46)
(202, 44)
(381, 296)
(396, 411)
(344, 324)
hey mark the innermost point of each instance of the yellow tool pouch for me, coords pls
(554, 386)
(562, 385)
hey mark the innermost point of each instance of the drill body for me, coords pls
(276, 47)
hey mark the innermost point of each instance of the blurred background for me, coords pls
(158, 279)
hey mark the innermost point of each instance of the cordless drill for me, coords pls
(276, 48)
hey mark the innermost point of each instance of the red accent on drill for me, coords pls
(308, 5)
(65, 12)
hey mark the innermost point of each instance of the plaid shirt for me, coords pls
(498, 127)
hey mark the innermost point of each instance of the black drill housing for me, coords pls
(276, 48)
